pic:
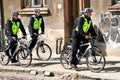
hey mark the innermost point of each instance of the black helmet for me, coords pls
(36, 10)
(88, 10)
(14, 12)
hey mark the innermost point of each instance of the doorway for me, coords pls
(71, 11)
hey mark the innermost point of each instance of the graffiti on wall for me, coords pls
(109, 26)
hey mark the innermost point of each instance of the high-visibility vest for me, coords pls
(37, 23)
(86, 25)
(15, 26)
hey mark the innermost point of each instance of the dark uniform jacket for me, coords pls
(9, 27)
(80, 32)
(31, 24)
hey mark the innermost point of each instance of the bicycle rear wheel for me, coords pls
(64, 58)
(4, 59)
(44, 52)
(96, 62)
(24, 57)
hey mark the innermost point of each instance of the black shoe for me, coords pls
(73, 66)
(95, 61)
(77, 61)
(14, 61)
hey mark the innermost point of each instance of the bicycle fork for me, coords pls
(41, 46)
(92, 53)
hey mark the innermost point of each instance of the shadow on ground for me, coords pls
(112, 66)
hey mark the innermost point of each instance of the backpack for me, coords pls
(7, 31)
(76, 22)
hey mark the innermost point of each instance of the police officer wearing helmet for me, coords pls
(12, 27)
(36, 22)
(81, 33)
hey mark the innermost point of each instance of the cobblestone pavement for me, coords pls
(27, 76)
(111, 71)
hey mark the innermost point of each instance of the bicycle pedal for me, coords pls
(94, 61)
(42, 41)
(43, 51)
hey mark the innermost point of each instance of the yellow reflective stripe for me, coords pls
(37, 23)
(86, 25)
(15, 27)
(76, 29)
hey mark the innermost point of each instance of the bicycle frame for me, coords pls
(19, 44)
(86, 44)
(39, 41)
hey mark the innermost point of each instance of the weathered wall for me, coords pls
(8, 6)
(98, 6)
(108, 26)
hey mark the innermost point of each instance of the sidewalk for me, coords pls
(111, 71)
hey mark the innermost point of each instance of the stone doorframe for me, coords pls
(71, 9)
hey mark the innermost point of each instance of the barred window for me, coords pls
(116, 1)
(45, 2)
(35, 3)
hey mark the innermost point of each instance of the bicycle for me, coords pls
(43, 50)
(95, 60)
(23, 54)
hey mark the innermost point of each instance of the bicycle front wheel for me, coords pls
(24, 57)
(4, 59)
(44, 52)
(64, 58)
(96, 62)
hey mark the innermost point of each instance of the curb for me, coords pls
(54, 72)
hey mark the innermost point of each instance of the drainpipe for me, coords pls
(1, 21)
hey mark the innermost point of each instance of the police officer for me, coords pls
(81, 33)
(12, 26)
(36, 22)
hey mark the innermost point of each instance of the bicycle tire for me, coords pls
(4, 59)
(64, 58)
(44, 52)
(24, 57)
(98, 64)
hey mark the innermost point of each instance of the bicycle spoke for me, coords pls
(4, 60)
(44, 52)
(64, 58)
(24, 57)
(96, 63)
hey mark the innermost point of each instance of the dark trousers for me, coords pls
(33, 43)
(11, 46)
(75, 46)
